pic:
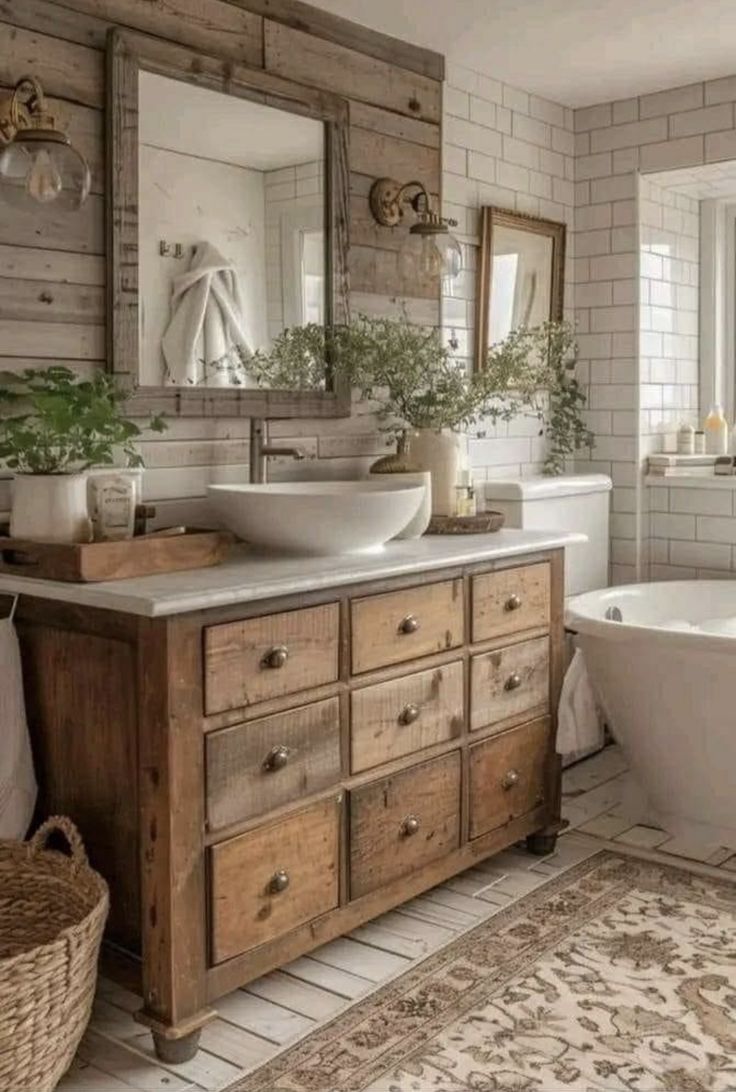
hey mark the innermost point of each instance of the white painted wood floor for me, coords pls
(256, 1022)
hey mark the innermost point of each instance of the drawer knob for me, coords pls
(409, 713)
(279, 882)
(410, 826)
(513, 602)
(276, 758)
(513, 682)
(510, 780)
(277, 657)
(410, 624)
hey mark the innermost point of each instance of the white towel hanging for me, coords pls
(17, 780)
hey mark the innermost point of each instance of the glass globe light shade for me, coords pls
(41, 166)
(430, 252)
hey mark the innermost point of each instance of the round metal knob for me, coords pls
(510, 779)
(409, 713)
(512, 603)
(513, 682)
(277, 657)
(410, 624)
(410, 826)
(276, 758)
(279, 882)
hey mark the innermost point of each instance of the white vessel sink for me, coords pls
(320, 518)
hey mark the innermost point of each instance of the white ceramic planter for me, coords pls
(444, 454)
(50, 508)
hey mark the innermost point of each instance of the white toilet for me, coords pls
(577, 502)
(574, 502)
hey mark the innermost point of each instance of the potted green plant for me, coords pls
(53, 428)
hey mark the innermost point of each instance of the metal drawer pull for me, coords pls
(276, 759)
(279, 882)
(410, 826)
(277, 657)
(510, 780)
(513, 682)
(409, 713)
(513, 602)
(410, 624)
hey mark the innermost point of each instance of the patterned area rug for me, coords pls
(618, 976)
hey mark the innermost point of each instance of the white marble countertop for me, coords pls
(246, 575)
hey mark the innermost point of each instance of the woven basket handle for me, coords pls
(60, 824)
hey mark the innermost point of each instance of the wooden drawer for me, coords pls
(508, 776)
(255, 767)
(394, 718)
(509, 683)
(402, 822)
(511, 601)
(260, 658)
(273, 879)
(403, 625)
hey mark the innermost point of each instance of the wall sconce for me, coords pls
(430, 248)
(38, 162)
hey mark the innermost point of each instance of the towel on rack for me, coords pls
(208, 333)
(17, 779)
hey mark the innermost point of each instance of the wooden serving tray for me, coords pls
(481, 524)
(89, 562)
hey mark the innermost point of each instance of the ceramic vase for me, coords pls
(50, 508)
(443, 453)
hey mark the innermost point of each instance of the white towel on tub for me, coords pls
(579, 725)
(17, 779)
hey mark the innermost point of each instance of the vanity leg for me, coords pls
(176, 1051)
(540, 843)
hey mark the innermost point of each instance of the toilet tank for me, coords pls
(574, 502)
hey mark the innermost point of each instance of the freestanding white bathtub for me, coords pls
(662, 658)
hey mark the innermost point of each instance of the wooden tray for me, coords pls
(481, 524)
(90, 562)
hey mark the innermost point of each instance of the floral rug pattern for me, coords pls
(618, 976)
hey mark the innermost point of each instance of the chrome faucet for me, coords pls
(260, 450)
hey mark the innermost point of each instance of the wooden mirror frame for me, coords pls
(129, 52)
(490, 218)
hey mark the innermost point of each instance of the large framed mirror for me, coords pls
(227, 223)
(520, 277)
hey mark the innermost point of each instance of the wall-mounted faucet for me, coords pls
(260, 450)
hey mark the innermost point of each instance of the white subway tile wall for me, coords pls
(506, 148)
(621, 256)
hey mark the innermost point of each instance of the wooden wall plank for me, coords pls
(52, 340)
(374, 154)
(379, 272)
(45, 301)
(377, 120)
(51, 18)
(82, 231)
(84, 369)
(213, 26)
(69, 70)
(37, 264)
(311, 60)
(333, 28)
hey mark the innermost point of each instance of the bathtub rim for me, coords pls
(580, 619)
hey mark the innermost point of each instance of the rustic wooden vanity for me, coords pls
(262, 756)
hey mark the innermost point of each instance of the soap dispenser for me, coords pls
(716, 431)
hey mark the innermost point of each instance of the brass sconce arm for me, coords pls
(388, 198)
(24, 109)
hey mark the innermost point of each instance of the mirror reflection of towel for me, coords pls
(207, 338)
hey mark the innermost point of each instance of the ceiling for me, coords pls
(204, 123)
(576, 52)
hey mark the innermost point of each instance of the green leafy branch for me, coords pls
(53, 423)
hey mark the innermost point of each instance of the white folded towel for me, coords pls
(579, 724)
(208, 331)
(17, 780)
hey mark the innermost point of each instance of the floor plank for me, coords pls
(205, 1070)
(371, 963)
(285, 989)
(235, 1045)
(342, 983)
(263, 1018)
(127, 1065)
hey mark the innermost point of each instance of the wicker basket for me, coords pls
(52, 912)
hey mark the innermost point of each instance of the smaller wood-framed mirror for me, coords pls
(227, 223)
(521, 275)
